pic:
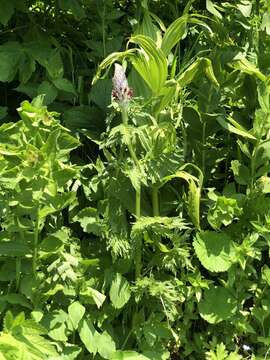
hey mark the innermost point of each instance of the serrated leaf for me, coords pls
(119, 291)
(216, 251)
(217, 305)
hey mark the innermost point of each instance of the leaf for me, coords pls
(74, 6)
(241, 172)
(266, 274)
(217, 305)
(239, 130)
(106, 345)
(10, 55)
(48, 90)
(16, 299)
(150, 63)
(90, 221)
(3, 112)
(128, 355)
(119, 291)
(64, 85)
(91, 295)
(7, 10)
(76, 312)
(215, 251)
(245, 7)
(88, 335)
(210, 6)
(13, 248)
(101, 93)
(174, 34)
(266, 23)
(194, 194)
(247, 67)
(200, 65)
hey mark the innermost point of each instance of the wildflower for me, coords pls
(121, 91)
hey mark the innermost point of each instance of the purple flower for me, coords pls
(121, 91)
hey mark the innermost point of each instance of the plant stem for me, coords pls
(18, 272)
(203, 147)
(138, 245)
(36, 238)
(155, 202)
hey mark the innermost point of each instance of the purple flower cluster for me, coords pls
(121, 91)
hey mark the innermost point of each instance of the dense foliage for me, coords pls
(134, 220)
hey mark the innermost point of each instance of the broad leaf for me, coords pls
(215, 251)
(119, 291)
(76, 312)
(217, 305)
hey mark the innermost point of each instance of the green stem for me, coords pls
(138, 245)
(155, 202)
(18, 272)
(36, 238)
(203, 147)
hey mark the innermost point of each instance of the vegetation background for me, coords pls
(135, 229)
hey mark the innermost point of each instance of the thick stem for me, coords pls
(155, 202)
(36, 238)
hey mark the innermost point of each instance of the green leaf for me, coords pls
(266, 274)
(194, 193)
(217, 305)
(150, 63)
(212, 8)
(10, 56)
(235, 128)
(90, 296)
(266, 23)
(7, 10)
(119, 291)
(245, 7)
(201, 65)
(3, 112)
(216, 251)
(74, 7)
(16, 299)
(174, 34)
(128, 355)
(90, 221)
(241, 172)
(13, 248)
(247, 67)
(88, 335)
(48, 90)
(54, 65)
(64, 85)
(106, 345)
(223, 212)
(76, 312)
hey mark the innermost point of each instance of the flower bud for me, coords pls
(121, 91)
